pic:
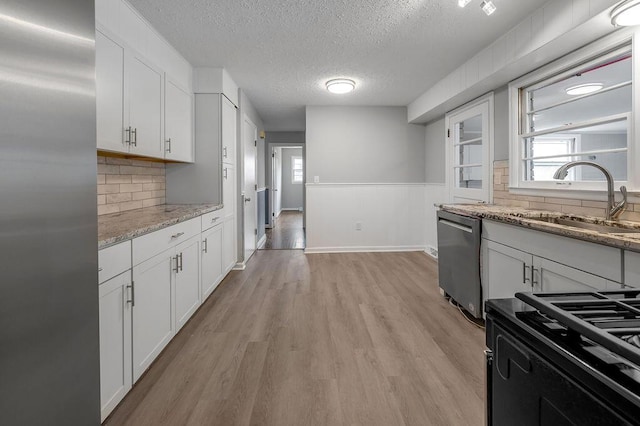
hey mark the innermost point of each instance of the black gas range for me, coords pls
(564, 359)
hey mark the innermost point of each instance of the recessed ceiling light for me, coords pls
(626, 14)
(341, 85)
(463, 3)
(488, 7)
(584, 89)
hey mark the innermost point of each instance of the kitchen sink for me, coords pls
(582, 224)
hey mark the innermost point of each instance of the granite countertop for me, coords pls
(526, 218)
(117, 227)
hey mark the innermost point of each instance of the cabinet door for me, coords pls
(144, 88)
(152, 319)
(506, 270)
(229, 237)
(115, 341)
(229, 131)
(549, 276)
(211, 260)
(187, 280)
(178, 113)
(110, 94)
(229, 190)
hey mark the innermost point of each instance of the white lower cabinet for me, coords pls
(211, 260)
(152, 310)
(516, 259)
(229, 255)
(186, 272)
(115, 341)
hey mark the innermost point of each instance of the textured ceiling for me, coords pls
(280, 52)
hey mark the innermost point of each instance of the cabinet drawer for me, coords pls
(114, 260)
(149, 245)
(211, 219)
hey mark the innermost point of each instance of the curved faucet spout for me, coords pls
(613, 210)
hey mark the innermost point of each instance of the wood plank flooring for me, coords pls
(322, 339)
(288, 233)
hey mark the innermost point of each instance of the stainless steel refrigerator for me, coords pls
(49, 344)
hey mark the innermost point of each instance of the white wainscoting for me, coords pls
(392, 217)
(434, 193)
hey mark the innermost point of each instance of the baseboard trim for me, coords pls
(390, 249)
(240, 266)
(432, 252)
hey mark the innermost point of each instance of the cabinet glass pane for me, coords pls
(469, 177)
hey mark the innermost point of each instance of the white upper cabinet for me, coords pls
(110, 94)
(229, 121)
(144, 83)
(178, 124)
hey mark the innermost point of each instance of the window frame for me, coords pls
(293, 170)
(554, 71)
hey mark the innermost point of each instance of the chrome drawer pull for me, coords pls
(178, 235)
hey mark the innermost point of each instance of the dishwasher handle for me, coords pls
(459, 226)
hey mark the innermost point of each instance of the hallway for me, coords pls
(288, 233)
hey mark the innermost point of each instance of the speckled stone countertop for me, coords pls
(117, 227)
(628, 240)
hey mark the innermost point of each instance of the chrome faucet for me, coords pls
(613, 209)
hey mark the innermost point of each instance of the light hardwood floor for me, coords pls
(288, 233)
(322, 339)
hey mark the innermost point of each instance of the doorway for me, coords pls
(287, 230)
(249, 194)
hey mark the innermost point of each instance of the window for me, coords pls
(296, 169)
(579, 109)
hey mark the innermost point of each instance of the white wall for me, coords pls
(371, 165)
(291, 192)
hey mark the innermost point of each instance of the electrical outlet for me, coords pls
(316, 179)
(358, 226)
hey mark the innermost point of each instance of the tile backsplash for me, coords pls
(129, 184)
(503, 197)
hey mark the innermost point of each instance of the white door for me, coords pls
(110, 94)
(152, 308)
(250, 135)
(211, 260)
(187, 282)
(505, 270)
(178, 115)
(277, 183)
(469, 146)
(115, 341)
(145, 107)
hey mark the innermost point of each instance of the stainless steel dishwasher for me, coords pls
(459, 259)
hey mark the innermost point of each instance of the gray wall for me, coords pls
(363, 145)
(435, 151)
(291, 192)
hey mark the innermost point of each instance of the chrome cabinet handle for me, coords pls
(178, 235)
(213, 219)
(133, 294)
(99, 269)
(169, 148)
(128, 139)
(224, 152)
(180, 256)
(225, 173)
(534, 283)
(177, 268)
(134, 132)
(525, 279)
(205, 245)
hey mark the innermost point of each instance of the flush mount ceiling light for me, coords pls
(341, 85)
(463, 3)
(626, 13)
(584, 89)
(488, 7)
